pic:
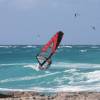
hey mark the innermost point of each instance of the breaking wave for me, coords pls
(95, 47)
(75, 65)
(27, 78)
(30, 46)
(85, 50)
(66, 46)
(63, 88)
(54, 65)
(77, 80)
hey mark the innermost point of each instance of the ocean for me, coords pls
(74, 68)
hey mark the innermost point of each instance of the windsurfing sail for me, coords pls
(44, 57)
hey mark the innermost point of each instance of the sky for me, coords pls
(36, 21)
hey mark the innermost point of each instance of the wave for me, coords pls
(78, 81)
(63, 88)
(62, 65)
(95, 47)
(74, 65)
(55, 65)
(9, 46)
(4, 46)
(16, 46)
(66, 46)
(33, 66)
(14, 90)
(93, 77)
(26, 78)
(12, 64)
(66, 88)
(77, 78)
(84, 50)
(29, 46)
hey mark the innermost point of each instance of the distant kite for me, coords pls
(93, 27)
(76, 14)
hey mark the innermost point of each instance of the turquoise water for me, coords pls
(74, 68)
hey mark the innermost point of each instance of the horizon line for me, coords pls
(44, 44)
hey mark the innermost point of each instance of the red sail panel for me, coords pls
(53, 42)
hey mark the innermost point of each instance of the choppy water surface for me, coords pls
(74, 68)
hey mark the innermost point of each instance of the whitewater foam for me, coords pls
(74, 65)
(66, 46)
(13, 64)
(73, 68)
(63, 88)
(93, 76)
(33, 66)
(95, 47)
(26, 78)
(84, 50)
(30, 46)
(66, 88)
(4, 46)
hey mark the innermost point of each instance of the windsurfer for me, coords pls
(44, 59)
(49, 63)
